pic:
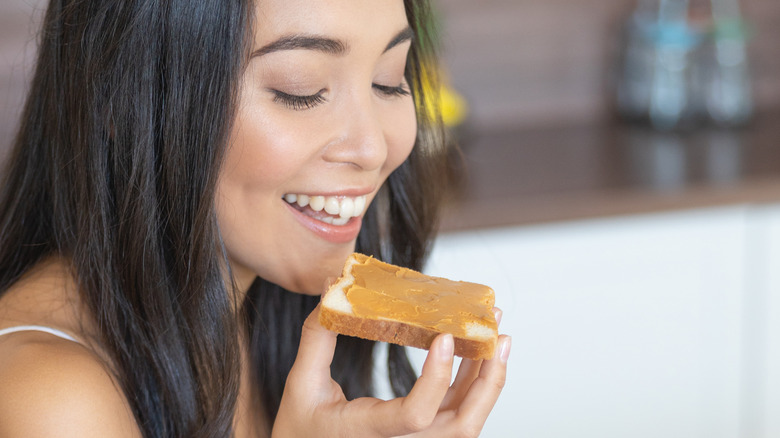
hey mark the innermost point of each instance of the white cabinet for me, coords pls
(664, 325)
(761, 389)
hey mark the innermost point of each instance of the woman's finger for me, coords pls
(436, 375)
(317, 345)
(498, 313)
(467, 372)
(417, 410)
(485, 389)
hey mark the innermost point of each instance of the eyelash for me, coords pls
(299, 103)
(391, 91)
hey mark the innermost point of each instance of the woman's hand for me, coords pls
(313, 404)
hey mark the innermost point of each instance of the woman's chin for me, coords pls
(329, 268)
(316, 281)
(311, 275)
(312, 287)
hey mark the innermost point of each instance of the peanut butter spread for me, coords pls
(384, 291)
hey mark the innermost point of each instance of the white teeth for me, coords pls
(340, 221)
(332, 205)
(317, 203)
(360, 205)
(341, 209)
(347, 208)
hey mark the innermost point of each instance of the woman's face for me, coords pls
(325, 115)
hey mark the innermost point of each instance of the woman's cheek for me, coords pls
(402, 133)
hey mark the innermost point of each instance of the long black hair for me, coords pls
(114, 167)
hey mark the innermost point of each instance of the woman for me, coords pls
(186, 178)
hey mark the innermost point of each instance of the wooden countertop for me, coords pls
(518, 177)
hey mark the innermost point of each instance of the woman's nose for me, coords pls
(361, 141)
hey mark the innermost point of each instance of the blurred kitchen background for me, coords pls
(621, 193)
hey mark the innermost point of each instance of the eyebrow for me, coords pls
(405, 35)
(307, 42)
(323, 44)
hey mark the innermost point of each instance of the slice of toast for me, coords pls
(382, 302)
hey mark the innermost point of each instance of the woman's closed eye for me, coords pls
(389, 91)
(303, 102)
(298, 102)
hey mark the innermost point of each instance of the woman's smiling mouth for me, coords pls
(336, 219)
(333, 210)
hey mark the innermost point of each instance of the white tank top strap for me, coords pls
(38, 328)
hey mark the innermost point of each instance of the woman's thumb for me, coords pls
(315, 352)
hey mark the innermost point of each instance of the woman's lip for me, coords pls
(331, 233)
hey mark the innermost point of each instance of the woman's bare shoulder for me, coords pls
(53, 386)
(56, 387)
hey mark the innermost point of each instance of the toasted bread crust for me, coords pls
(401, 333)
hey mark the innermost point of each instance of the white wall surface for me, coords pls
(663, 325)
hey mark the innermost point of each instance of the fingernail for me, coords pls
(506, 346)
(446, 347)
(498, 314)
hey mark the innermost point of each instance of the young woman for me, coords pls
(186, 177)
